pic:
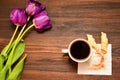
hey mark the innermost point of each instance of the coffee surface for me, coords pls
(80, 50)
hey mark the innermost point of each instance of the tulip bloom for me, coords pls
(18, 17)
(42, 22)
(34, 7)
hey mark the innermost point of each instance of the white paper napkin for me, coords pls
(84, 68)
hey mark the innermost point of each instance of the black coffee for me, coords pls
(80, 50)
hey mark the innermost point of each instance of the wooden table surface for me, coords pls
(71, 19)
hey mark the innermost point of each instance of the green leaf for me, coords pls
(1, 62)
(18, 51)
(18, 78)
(5, 52)
(4, 55)
(8, 49)
(17, 70)
(3, 73)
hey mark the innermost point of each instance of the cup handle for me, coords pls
(65, 50)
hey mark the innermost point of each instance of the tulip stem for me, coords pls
(5, 53)
(28, 18)
(26, 31)
(10, 44)
(21, 32)
(13, 35)
(22, 29)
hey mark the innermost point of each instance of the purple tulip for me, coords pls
(34, 7)
(42, 22)
(18, 17)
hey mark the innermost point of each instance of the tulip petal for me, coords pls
(42, 22)
(18, 17)
(34, 7)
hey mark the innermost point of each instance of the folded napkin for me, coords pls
(85, 68)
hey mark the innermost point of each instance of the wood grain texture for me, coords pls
(71, 19)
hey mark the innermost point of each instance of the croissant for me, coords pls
(104, 42)
(91, 40)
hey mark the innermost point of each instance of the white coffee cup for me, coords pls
(79, 50)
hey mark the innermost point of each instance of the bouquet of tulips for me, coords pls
(12, 57)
